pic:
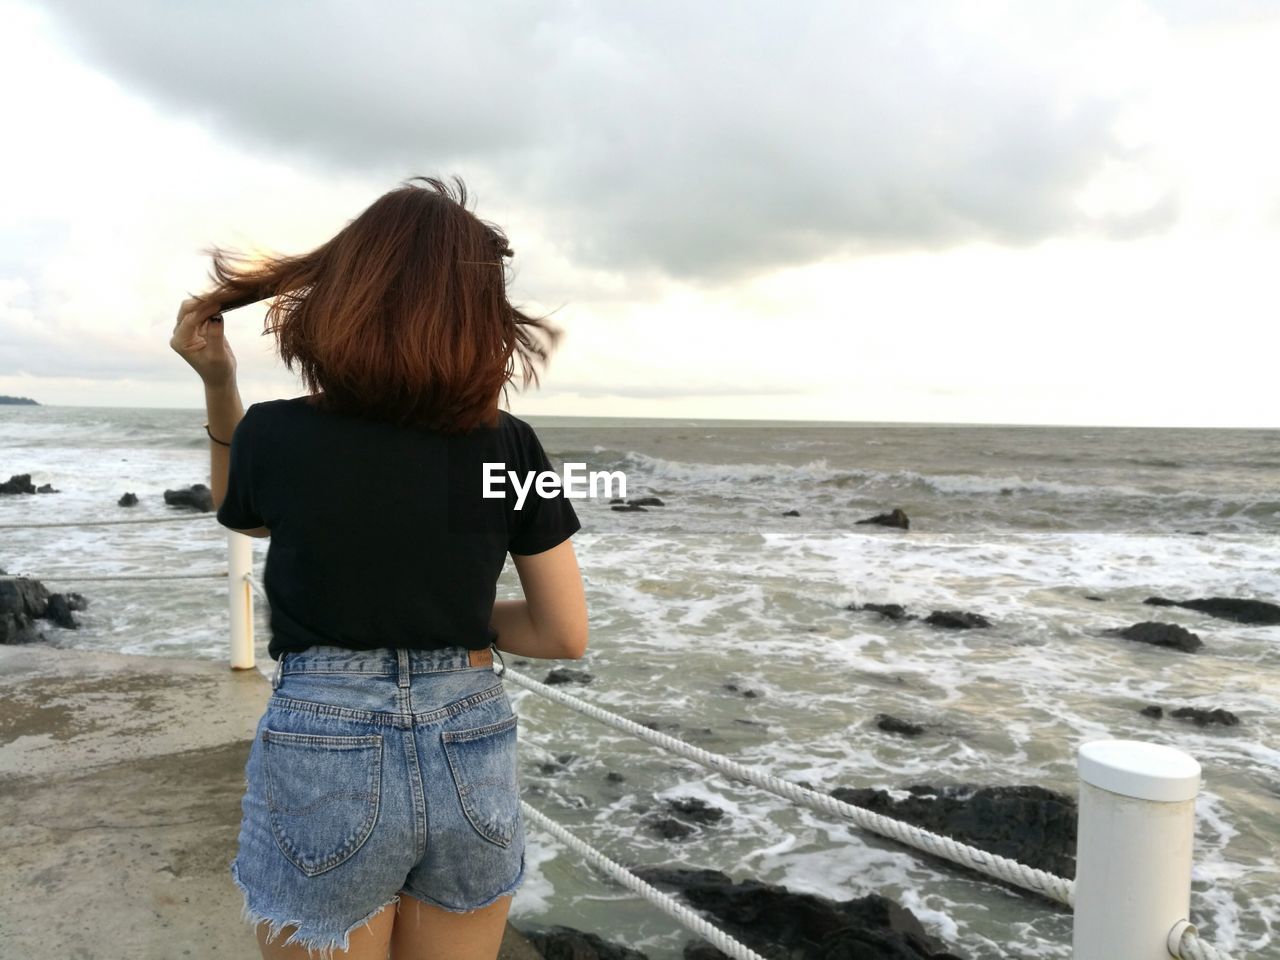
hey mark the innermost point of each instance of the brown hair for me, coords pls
(403, 315)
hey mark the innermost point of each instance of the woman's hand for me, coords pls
(199, 340)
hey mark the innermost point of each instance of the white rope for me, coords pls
(103, 523)
(1001, 868)
(1189, 946)
(257, 587)
(667, 904)
(1184, 945)
(76, 578)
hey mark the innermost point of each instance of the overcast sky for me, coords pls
(908, 211)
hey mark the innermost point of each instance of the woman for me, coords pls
(381, 810)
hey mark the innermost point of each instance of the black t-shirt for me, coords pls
(380, 534)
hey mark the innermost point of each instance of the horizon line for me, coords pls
(777, 420)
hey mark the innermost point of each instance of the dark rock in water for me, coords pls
(565, 943)
(1161, 635)
(894, 611)
(696, 809)
(777, 922)
(197, 495)
(659, 724)
(669, 828)
(792, 513)
(956, 619)
(60, 610)
(22, 600)
(614, 777)
(1026, 823)
(895, 519)
(17, 628)
(128, 500)
(1090, 596)
(1006, 491)
(18, 483)
(1257, 612)
(46, 488)
(617, 500)
(749, 694)
(1200, 717)
(1204, 717)
(565, 675)
(629, 508)
(557, 764)
(891, 724)
(646, 502)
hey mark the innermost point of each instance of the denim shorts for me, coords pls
(372, 774)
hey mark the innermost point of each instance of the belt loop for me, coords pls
(402, 666)
(275, 676)
(498, 653)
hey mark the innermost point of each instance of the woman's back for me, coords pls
(380, 534)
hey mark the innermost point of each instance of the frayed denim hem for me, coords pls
(321, 950)
(508, 891)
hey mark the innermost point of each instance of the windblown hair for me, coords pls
(402, 316)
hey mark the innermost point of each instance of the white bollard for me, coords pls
(1133, 848)
(240, 597)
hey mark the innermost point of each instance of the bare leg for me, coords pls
(426, 932)
(369, 942)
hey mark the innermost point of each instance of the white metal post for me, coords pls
(1133, 848)
(240, 598)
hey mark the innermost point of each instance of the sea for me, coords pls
(724, 621)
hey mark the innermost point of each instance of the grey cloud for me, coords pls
(705, 141)
(52, 352)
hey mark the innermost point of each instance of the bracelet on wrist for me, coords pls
(213, 438)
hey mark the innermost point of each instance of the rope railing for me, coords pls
(1183, 944)
(664, 902)
(33, 525)
(78, 578)
(1046, 884)
(1183, 941)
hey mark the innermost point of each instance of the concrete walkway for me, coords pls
(120, 786)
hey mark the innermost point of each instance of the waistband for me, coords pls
(385, 662)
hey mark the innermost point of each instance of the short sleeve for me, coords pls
(542, 522)
(239, 509)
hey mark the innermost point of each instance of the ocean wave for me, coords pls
(820, 473)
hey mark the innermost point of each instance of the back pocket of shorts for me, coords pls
(483, 763)
(322, 793)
